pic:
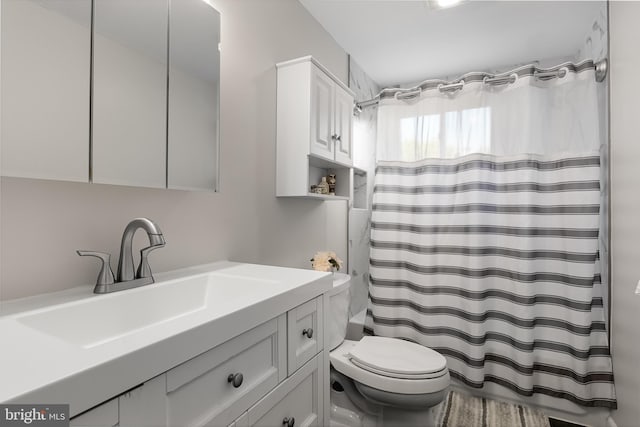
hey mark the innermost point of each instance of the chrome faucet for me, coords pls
(126, 278)
(125, 264)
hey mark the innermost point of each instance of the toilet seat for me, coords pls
(397, 358)
(408, 382)
(403, 376)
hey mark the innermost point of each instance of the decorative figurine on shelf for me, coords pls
(326, 261)
(332, 184)
(324, 186)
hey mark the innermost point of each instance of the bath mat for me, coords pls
(461, 410)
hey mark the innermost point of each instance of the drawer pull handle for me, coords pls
(307, 332)
(289, 422)
(235, 379)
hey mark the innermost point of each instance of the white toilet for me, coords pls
(388, 381)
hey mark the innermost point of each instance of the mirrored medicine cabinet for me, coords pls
(111, 91)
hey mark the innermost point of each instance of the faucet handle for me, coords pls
(105, 277)
(144, 269)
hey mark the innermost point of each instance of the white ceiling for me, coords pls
(399, 42)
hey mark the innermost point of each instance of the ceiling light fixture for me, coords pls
(444, 4)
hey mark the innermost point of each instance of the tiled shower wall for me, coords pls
(364, 142)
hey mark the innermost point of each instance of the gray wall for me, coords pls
(625, 208)
(43, 222)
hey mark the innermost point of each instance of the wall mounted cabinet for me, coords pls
(101, 91)
(314, 118)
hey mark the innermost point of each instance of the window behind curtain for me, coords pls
(451, 134)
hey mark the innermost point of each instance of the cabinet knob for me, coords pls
(289, 422)
(334, 137)
(338, 138)
(307, 332)
(235, 379)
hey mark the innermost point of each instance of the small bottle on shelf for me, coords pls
(324, 185)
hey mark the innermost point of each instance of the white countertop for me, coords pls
(40, 367)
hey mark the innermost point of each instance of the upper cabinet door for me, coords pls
(46, 49)
(129, 103)
(343, 115)
(194, 87)
(322, 116)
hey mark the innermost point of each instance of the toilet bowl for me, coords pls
(394, 376)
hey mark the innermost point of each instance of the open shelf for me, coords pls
(319, 167)
(325, 197)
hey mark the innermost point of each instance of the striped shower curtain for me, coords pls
(493, 262)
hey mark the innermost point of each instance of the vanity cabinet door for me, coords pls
(241, 421)
(104, 415)
(297, 401)
(144, 406)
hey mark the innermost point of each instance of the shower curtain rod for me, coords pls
(508, 77)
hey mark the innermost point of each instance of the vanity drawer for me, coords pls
(297, 400)
(202, 392)
(304, 333)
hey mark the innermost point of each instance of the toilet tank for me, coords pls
(338, 309)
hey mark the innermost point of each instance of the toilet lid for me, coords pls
(396, 357)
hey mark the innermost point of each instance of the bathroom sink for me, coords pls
(62, 344)
(104, 318)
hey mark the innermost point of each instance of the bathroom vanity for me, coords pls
(218, 344)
